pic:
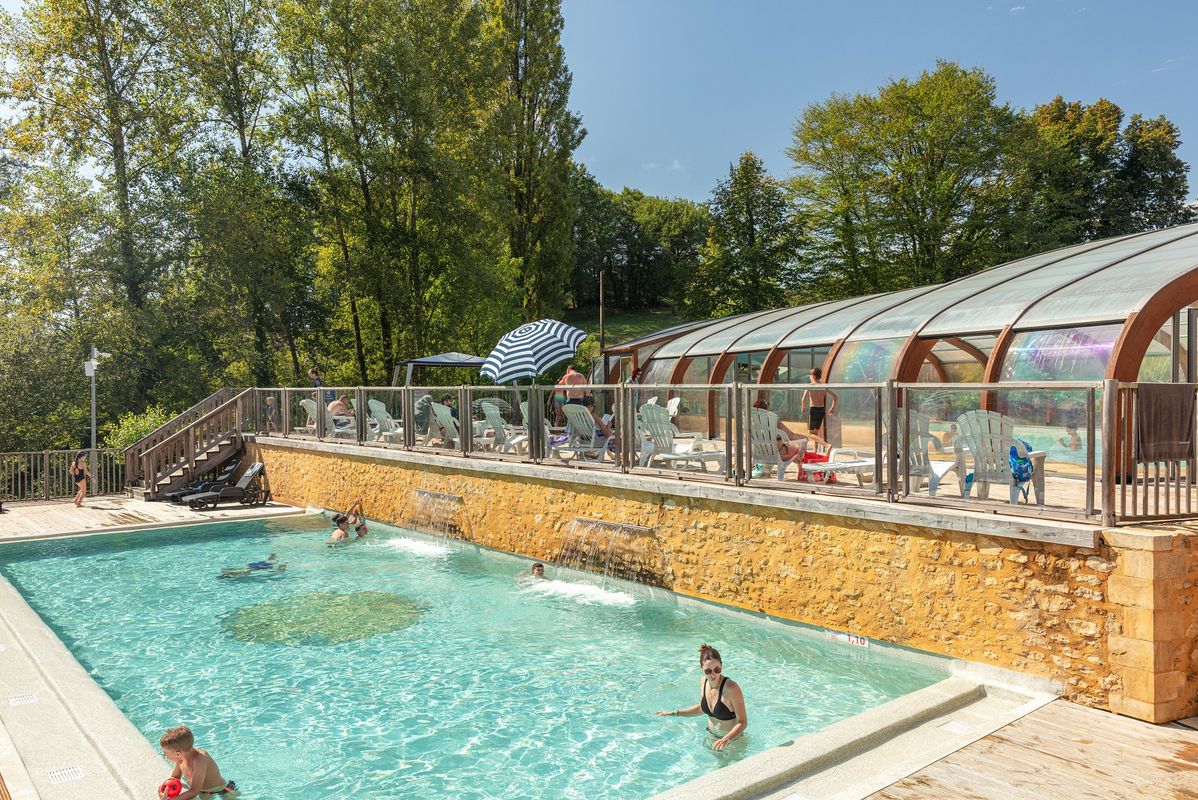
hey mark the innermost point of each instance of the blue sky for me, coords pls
(672, 91)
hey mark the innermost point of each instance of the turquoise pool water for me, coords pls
(410, 667)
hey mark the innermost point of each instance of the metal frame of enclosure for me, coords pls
(876, 446)
(1115, 309)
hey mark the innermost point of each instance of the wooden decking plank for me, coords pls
(1063, 751)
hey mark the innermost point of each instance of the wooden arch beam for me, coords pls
(1142, 326)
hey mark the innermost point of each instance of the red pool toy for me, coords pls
(172, 787)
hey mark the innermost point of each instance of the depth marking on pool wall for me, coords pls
(847, 638)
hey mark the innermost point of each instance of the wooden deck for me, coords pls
(1063, 751)
(60, 517)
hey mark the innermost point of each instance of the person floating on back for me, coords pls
(193, 766)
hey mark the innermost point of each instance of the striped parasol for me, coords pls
(531, 349)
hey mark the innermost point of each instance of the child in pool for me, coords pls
(352, 516)
(1074, 440)
(194, 766)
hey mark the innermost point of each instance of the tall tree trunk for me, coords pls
(361, 353)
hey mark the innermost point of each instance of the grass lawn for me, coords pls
(624, 326)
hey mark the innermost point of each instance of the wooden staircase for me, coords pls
(192, 444)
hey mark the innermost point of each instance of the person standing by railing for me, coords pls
(80, 473)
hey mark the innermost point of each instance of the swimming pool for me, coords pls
(408, 666)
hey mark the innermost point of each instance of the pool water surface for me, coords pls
(411, 667)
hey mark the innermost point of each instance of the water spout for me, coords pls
(436, 513)
(613, 549)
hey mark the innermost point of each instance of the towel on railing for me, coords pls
(1164, 422)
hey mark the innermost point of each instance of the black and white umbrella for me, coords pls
(531, 349)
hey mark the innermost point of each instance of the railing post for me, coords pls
(1110, 449)
(322, 413)
(536, 424)
(285, 411)
(623, 401)
(361, 417)
(744, 434)
(46, 474)
(408, 410)
(892, 446)
(465, 421)
(881, 394)
(95, 469)
(729, 427)
(1090, 393)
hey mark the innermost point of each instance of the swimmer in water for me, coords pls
(352, 517)
(720, 698)
(538, 570)
(270, 566)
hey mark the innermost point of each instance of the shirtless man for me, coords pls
(817, 401)
(573, 378)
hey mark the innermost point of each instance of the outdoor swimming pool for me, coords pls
(409, 667)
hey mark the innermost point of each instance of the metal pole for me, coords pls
(92, 459)
(602, 337)
(1110, 399)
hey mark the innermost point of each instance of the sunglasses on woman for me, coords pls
(712, 671)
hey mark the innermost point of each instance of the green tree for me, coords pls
(535, 135)
(749, 259)
(906, 187)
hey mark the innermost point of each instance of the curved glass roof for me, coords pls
(1085, 284)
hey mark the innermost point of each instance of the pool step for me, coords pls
(858, 756)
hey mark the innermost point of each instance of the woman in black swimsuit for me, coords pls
(79, 473)
(720, 699)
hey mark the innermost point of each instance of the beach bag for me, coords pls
(1021, 466)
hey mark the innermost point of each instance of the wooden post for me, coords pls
(46, 474)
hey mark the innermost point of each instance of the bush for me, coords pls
(132, 427)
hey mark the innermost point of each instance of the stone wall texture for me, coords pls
(1116, 626)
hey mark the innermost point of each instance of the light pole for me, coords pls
(89, 369)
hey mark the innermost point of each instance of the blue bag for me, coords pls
(1021, 466)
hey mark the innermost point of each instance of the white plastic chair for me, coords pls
(659, 442)
(987, 437)
(584, 436)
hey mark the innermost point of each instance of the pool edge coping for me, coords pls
(286, 510)
(826, 748)
(772, 771)
(129, 757)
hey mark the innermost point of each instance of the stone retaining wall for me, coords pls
(1115, 625)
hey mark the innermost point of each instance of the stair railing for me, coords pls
(180, 450)
(134, 452)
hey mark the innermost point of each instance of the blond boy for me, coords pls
(194, 766)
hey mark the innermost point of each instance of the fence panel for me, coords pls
(45, 474)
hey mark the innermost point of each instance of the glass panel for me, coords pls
(658, 370)
(1118, 290)
(1065, 354)
(1000, 305)
(699, 369)
(838, 324)
(865, 362)
(746, 368)
(1157, 366)
(797, 364)
(769, 335)
(913, 314)
(684, 343)
(945, 461)
(718, 342)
